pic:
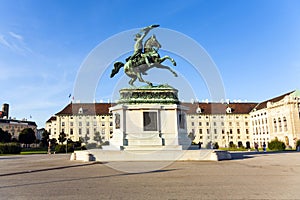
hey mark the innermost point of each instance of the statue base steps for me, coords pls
(150, 155)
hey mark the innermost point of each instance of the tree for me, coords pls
(45, 138)
(27, 136)
(98, 138)
(5, 136)
(84, 139)
(62, 137)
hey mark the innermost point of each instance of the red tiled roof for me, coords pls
(263, 105)
(53, 118)
(87, 109)
(220, 108)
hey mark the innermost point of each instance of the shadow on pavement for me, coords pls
(251, 154)
(85, 178)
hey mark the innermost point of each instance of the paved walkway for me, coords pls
(258, 176)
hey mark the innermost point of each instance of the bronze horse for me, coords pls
(135, 69)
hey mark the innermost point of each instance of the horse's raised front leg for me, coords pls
(168, 58)
(160, 66)
(142, 80)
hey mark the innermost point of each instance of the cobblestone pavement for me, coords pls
(257, 176)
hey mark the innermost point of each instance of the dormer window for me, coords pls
(198, 110)
(228, 110)
(80, 111)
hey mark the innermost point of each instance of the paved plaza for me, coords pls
(256, 176)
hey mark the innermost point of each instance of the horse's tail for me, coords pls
(116, 69)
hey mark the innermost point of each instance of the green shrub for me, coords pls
(62, 148)
(232, 145)
(298, 143)
(276, 145)
(10, 148)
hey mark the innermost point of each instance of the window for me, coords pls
(200, 131)
(230, 131)
(238, 131)
(284, 124)
(230, 123)
(71, 131)
(275, 125)
(222, 123)
(63, 124)
(246, 123)
(87, 131)
(95, 123)
(247, 131)
(279, 125)
(207, 123)
(215, 123)
(200, 123)
(215, 131)
(71, 123)
(223, 131)
(79, 131)
(102, 123)
(238, 123)
(207, 131)
(150, 121)
(87, 123)
(79, 123)
(192, 123)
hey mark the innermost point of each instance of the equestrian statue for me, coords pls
(143, 58)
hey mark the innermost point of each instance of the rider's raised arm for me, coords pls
(147, 29)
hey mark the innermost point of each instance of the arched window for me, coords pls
(279, 124)
(284, 124)
(275, 125)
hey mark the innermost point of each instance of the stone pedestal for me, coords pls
(149, 118)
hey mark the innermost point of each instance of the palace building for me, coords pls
(12, 125)
(240, 124)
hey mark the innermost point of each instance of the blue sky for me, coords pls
(255, 45)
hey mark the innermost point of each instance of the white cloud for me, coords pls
(17, 36)
(15, 42)
(4, 42)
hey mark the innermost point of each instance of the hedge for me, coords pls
(10, 148)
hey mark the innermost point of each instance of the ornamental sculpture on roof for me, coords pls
(143, 58)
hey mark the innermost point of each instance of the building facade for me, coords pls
(240, 124)
(12, 125)
(279, 118)
(82, 121)
(15, 127)
(222, 123)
